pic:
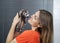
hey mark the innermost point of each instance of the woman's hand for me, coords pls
(16, 19)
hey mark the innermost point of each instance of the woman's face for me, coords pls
(34, 19)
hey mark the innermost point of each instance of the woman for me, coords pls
(42, 28)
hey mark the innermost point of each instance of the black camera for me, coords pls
(23, 14)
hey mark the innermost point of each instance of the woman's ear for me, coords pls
(39, 25)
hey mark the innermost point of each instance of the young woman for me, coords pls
(42, 29)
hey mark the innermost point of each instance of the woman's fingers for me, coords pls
(16, 19)
(17, 15)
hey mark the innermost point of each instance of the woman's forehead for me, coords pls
(37, 13)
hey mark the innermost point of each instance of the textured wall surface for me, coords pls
(9, 8)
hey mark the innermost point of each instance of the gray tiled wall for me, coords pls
(9, 8)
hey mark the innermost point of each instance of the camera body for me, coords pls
(23, 15)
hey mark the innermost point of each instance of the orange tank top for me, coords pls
(28, 36)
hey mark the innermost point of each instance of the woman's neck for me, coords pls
(34, 28)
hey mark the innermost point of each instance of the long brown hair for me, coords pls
(46, 31)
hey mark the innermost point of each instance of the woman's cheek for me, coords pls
(32, 22)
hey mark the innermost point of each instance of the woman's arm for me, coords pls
(12, 29)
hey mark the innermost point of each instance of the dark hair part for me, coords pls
(46, 31)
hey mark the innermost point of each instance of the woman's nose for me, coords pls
(31, 16)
